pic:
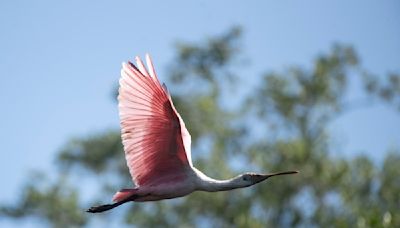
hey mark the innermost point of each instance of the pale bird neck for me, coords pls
(205, 183)
(221, 185)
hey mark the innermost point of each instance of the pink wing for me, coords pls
(156, 141)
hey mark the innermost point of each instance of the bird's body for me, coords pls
(157, 144)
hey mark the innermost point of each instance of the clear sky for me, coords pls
(60, 61)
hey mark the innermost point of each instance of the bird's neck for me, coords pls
(209, 184)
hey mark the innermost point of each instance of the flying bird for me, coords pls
(157, 144)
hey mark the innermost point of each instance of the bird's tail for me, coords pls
(123, 194)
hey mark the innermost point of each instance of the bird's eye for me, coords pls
(246, 178)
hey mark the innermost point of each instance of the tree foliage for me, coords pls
(290, 110)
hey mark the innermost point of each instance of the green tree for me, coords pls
(282, 124)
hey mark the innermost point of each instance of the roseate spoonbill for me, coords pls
(157, 144)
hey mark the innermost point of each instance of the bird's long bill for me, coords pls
(262, 177)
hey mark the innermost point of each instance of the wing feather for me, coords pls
(155, 139)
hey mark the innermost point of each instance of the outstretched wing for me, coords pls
(155, 139)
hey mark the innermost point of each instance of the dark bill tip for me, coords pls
(282, 173)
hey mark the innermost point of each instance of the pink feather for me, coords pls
(155, 139)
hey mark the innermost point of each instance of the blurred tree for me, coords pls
(55, 203)
(290, 112)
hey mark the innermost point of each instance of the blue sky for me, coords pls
(60, 61)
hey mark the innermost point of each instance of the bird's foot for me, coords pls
(102, 208)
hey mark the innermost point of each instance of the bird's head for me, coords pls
(248, 179)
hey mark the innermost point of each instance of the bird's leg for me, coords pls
(102, 208)
(106, 207)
